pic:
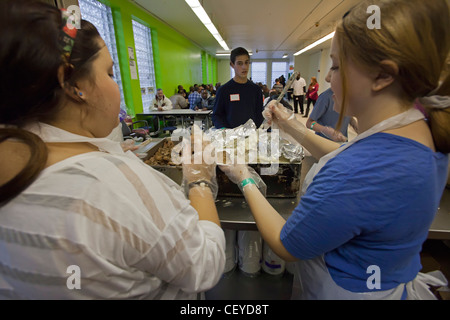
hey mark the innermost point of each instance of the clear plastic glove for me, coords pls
(284, 119)
(197, 171)
(240, 172)
(128, 145)
(333, 134)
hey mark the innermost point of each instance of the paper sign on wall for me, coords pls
(133, 70)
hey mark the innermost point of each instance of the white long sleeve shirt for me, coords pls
(128, 228)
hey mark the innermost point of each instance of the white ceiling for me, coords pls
(268, 28)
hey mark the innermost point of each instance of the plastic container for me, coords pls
(250, 252)
(272, 263)
(230, 251)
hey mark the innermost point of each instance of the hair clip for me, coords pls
(347, 13)
(67, 34)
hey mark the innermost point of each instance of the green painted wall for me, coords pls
(209, 68)
(176, 59)
(204, 66)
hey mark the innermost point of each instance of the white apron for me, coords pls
(312, 281)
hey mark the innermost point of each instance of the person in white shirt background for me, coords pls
(161, 102)
(299, 86)
(72, 199)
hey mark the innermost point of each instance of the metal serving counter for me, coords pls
(234, 213)
(440, 228)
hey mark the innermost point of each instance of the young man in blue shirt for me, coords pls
(239, 99)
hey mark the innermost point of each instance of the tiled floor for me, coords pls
(237, 286)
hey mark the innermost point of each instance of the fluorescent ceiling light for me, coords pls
(285, 56)
(222, 54)
(327, 37)
(204, 18)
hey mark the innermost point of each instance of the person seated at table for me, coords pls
(205, 102)
(194, 96)
(278, 87)
(161, 102)
(182, 89)
(211, 90)
(179, 100)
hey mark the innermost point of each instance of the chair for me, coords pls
(138, 132)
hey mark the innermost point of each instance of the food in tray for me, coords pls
(251, 149)
(162, 157)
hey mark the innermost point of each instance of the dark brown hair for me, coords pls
(30, 56)
(238, 52)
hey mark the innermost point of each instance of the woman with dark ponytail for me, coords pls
(72, 200)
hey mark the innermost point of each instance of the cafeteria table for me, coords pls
(184, 114)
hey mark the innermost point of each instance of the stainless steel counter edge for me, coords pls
(234, 213)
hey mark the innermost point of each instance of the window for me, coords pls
(144, 57)
(100, 16)
(279, 69)
(259, 72)
(232, 73)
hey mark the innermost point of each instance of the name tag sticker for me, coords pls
(235, 97)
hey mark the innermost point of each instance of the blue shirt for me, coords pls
(193, 99)
(324, 114)
(236, 103)
(372, 204)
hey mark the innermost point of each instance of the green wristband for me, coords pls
(246, 182)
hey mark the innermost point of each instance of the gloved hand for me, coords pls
(197, 171)
(128, 145)
(333, 134)
(284, 119)
(243, 175)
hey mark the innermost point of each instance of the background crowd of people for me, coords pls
(199, 97)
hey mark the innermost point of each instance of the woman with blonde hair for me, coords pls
(312, 95)
(358, 230)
